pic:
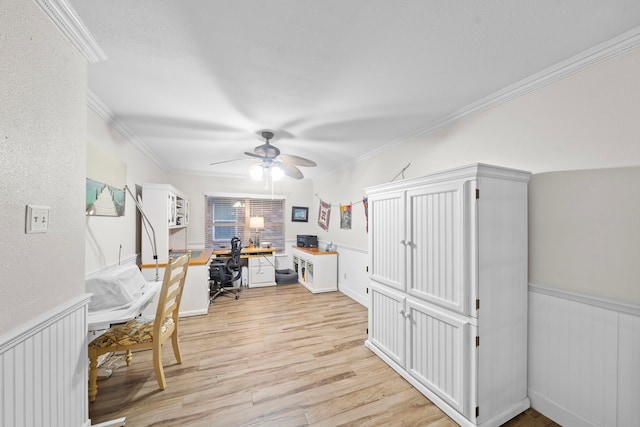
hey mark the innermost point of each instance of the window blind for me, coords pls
(226, 217)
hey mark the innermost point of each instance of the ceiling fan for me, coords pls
(272, 159)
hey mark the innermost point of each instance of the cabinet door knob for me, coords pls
(404, 242)
(404, 314)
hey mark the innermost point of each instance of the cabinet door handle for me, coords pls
(404, 314)
(404, 242)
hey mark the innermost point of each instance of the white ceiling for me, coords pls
(195, 81)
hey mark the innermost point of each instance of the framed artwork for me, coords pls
(299, 214)
(106, 178)
(103, 199)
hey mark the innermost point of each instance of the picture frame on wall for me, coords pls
(105, 182)
(299, 214)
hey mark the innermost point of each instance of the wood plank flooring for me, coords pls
(278, 356)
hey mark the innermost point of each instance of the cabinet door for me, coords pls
(438, 245)
(387, 321)
(387, 239)
(439, 353)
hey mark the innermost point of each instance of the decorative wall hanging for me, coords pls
(345, 217)
(365, 203)
(323, 215)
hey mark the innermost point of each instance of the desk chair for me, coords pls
(136, 334)
(223, 272)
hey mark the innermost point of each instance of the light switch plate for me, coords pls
(37, 220)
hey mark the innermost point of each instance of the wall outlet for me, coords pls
(37, 220)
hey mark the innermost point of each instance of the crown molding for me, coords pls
(577, 63)
(70, 24)
(101, 109)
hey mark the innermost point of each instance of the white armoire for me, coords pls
(448, 288)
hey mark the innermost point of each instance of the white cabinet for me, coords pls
(168, 211)
(448, 292)
(317, 270)
(261, 271)
(195, 296)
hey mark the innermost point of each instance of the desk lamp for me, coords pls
(256, 222)
(152, 237)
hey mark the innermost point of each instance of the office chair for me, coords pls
(224, 271)
(136, 334)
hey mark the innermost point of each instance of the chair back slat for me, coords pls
(171, 292)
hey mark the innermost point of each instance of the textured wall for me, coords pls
(42, 162)
(104, 235)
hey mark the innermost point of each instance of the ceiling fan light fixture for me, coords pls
(256, 172)
(276, 173)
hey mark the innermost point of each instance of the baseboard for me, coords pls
(353, 295)
(193, 313)
(555, 412)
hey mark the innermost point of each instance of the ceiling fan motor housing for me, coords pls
(267, 150)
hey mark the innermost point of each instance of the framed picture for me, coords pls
(106, 178)
(299, 214)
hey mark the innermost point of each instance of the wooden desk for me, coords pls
(260, 264)
(246, 252)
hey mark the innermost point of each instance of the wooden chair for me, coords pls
(135, 334)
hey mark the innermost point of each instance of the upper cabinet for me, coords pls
(168, 211)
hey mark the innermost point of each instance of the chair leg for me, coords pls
(157, 366)
(129, 357)
(176, 346)
(93, 376)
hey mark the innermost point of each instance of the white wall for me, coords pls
(104, 235)
(584, 229)
(42, 162)
(585, 121)
(297, 193)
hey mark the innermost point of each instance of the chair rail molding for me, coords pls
(608, 304)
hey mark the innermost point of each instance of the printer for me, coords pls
(307, 241)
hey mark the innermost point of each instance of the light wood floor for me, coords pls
(278, 356)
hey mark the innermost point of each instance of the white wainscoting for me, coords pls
(353, 278)
(584, 358)
(43, 370)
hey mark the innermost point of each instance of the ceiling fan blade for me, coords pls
(255, 155)
(297, 160)
(225, 161)
(290, 170)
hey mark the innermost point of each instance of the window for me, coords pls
(228, 216)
